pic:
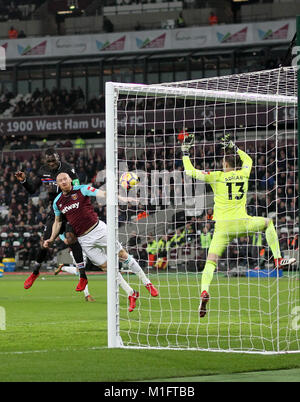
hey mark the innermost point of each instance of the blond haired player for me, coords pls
(230, 188)
(75, 205)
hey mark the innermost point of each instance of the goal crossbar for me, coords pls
(203, 94)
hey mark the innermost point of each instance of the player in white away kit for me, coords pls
(75, 205)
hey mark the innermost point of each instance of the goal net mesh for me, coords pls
(169, 226)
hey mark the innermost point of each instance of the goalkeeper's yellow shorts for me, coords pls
(226, 231)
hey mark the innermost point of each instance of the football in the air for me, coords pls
(129, 180)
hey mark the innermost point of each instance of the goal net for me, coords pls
(168, 223)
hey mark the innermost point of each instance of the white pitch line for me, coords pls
(52, 350)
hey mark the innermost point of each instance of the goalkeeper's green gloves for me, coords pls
(228, 144)
(187, 142)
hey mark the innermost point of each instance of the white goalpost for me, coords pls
(167, 223)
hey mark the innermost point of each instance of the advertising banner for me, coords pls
(216, 36)
(208, 118)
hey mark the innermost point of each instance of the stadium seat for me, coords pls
(3, 235)
(26, 234)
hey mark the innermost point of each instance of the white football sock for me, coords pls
(70, 270)
(136, 269)
(124, 285)
(86, 291)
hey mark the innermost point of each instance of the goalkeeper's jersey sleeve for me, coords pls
(230, 188)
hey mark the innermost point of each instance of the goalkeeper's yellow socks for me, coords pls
(272, 240)
(207, 274)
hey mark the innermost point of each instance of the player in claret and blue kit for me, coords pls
(230, 188)
(75, 205)
(46, 176)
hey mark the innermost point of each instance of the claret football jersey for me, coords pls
(77, 208)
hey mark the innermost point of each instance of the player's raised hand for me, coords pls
(20, 176)
(187, 142)
(228, 144)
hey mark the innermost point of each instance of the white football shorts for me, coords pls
(94, 244)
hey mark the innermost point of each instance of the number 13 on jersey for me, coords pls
(241, 190)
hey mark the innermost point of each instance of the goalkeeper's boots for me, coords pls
(81, 284)
(204, 300)
(58, 269)
(132, 300)
(30, 280)
(284, 262)
(152, 290)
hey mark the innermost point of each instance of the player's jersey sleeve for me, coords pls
(208, 177)
(33, 185)
(55, 207)
(87, 190)
(247, 163)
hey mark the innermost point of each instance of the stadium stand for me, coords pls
(22, 214)
(55, 102)
(87, 15)
(18, 9)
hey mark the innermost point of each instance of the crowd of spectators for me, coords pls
(46, 102)
(18, 9)
(24, 214)
(268, 194)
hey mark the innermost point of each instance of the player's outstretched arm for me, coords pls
(100, 195)
(229, 146)
(28, 184)
(246, 159)
(189, 169)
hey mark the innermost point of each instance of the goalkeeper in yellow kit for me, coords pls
(230, 188)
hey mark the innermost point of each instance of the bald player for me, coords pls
(75, 205)
(230, 188)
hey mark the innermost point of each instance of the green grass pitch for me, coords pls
(52, 334)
